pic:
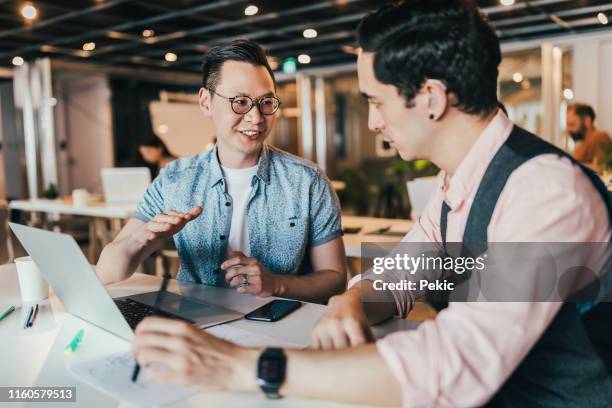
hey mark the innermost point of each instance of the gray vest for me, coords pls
(571, 364)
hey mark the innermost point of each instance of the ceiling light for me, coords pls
(251, 10)
(310, 33)
(17, 61)
(568, 94)
(148, 33)
(517, 77)
(170, 57)
(603, 19)
(89, 46)
(507, 2)
(304, 59)
(29, 12)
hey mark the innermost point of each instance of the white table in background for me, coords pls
(99, 234)
(102, 210)
(34, 357)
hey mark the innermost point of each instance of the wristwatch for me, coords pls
(271, 371)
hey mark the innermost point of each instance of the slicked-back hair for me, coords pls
(582, 110)
(238, 50)
(447, 40)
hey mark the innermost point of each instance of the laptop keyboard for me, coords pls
(134, 312)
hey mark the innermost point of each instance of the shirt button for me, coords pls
(292, 224)
(222, 237)
(227, 204)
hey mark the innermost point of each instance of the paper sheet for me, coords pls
(112, 375)
(249, 339)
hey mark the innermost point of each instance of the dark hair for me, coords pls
(153, 140)
(582, 110)
(448, 40)
(237, 50)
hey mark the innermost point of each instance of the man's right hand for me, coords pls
(167, 224)
(343, 324)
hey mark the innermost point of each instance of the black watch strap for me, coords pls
(271, 371)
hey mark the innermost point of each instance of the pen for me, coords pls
(8, 312)
(162, 289)
(27, 320)
(33, 316)
(71, 347)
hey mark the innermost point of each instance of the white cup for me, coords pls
(80, 197)
(32, 283)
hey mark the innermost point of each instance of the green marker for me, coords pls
(71, 347)
(8, 312)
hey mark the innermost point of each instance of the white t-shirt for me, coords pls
(239, 187)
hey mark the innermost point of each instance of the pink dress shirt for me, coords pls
(461, 358)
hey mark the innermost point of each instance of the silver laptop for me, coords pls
(74, 281)
(124, 185)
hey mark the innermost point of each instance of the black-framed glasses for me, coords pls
(242, 104)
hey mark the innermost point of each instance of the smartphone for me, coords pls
(273, 311)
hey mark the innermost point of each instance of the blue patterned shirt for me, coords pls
(292, 208)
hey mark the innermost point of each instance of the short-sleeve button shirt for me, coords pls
(292, 208)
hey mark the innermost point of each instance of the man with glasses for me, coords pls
(244, 214)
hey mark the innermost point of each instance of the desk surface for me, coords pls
(60, 207)
(34, 357)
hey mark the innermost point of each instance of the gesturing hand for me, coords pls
(249, 276)
(168, 223)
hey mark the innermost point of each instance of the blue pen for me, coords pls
(27, 320)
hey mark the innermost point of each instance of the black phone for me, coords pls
(273, 311)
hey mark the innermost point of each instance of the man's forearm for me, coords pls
(323, 375)
(119, 259)
(315, 287)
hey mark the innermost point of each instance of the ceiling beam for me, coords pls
(262, 33)
(228, 24)
(128, 25)
(62, 17)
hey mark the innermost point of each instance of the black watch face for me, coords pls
(271, 368)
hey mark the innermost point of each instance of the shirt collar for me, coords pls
(472, 168)
(216, 173)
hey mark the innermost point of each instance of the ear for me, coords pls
(204, 100)
(437, 99)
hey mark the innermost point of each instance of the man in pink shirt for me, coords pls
(429, 72)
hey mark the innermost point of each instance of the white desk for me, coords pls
(34, 357)
(101, 210)
(99, 233)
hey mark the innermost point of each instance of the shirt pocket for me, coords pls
(291, 242)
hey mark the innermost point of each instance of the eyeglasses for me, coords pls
(243, 104)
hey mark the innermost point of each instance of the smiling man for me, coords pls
(243, 214)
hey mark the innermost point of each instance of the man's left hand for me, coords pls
(249, 276)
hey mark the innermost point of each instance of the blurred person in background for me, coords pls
(155, 152)
(590, 141)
